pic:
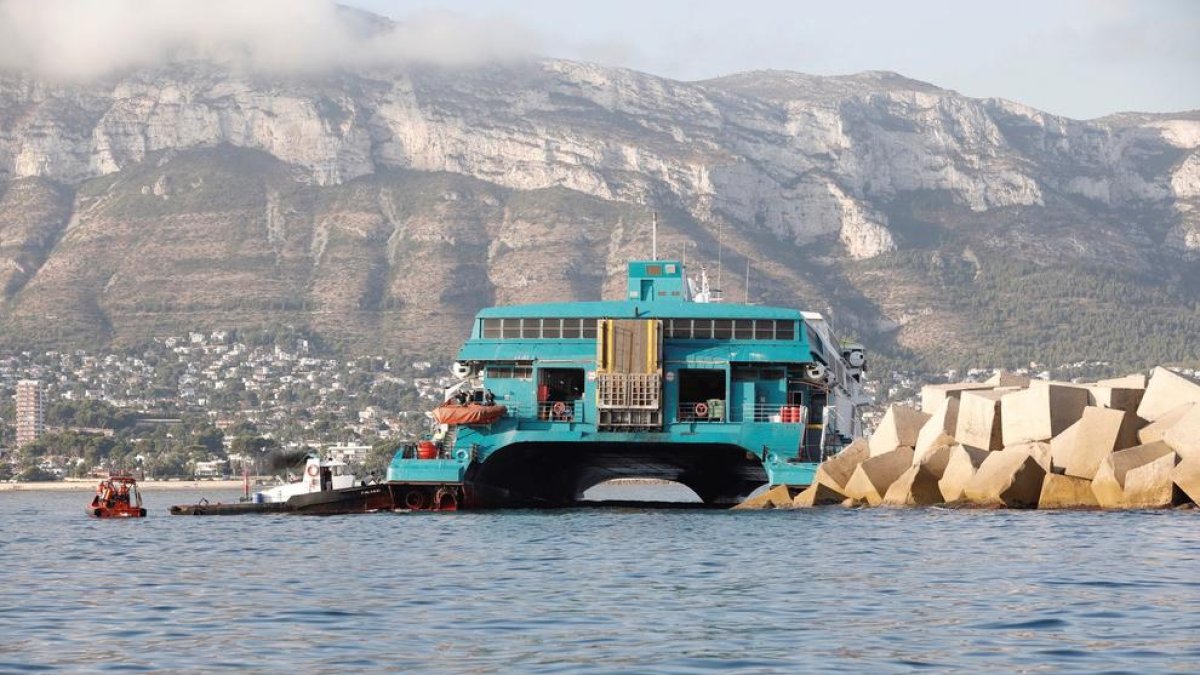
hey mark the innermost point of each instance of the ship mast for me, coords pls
(654, 235)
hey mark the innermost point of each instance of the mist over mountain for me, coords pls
(379, 182)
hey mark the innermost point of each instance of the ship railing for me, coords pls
(701, 411)
(560, 411)
(774, 413)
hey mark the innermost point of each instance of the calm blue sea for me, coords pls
(614, 590)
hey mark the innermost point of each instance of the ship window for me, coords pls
(653, 270)
(743, 329)
(511, 329)
(510, 373)
(702, 329)
(570, 328)
(785, 330)
(531, 329)
(681, 329)
(764, 330)
(722, 329)
(589, 328)
(551, 328)
(491, 329)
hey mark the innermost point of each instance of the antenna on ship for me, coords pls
(747, 300)
(720, 249)
(654, 235)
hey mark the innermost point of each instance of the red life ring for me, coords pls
(559, 408)
(701, 409)
(312, 470)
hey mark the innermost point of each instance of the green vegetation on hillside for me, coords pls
(1017, 312)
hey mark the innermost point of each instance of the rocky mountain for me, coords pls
(382, 208)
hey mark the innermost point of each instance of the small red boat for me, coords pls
(117, 497)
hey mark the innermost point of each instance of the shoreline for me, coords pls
(82, 485)
(90, 485)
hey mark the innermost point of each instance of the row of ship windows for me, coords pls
(537, 329)
(674, 329)
(525, 373)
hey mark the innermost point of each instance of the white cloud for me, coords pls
(86, 38)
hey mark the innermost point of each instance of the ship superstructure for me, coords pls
(663, 383)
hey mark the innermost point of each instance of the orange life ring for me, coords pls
(559, 408)
(312, 470)
(701, 409)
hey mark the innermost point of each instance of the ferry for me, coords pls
(665, 383)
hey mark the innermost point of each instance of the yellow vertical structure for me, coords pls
(651, 347)
(629, 373)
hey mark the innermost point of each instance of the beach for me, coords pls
(88, 484)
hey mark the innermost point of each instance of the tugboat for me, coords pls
(117, 497)
(326, 488)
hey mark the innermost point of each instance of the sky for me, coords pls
(1079, 58)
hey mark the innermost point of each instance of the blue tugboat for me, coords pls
(665, 383)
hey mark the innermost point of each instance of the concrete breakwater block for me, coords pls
(778, 497)
(935, 459)
(938, 428)
(1066, 492)
(1166, 391)
(960, 469)
(1061, 444)
(1038, 450)
(1186, 476)
(1041, 412)
(898, 428)
(1128, 382)
(873, 477)
(835, 472)
(934, 395)
(1007, 379)
(1184, 435)
(818, 494)
(1009, 478)
(1117, 398)
(917, 486)
(1155, 430)
(1136, 478)
(978, 422)
(1099, 433)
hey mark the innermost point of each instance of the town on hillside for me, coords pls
(216, 404)
(205, 404)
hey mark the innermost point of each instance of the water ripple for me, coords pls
(598, 591)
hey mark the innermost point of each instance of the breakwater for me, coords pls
(1126, 443)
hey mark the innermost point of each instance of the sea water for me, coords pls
(597, 590)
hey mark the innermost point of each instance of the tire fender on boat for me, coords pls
(415, 500)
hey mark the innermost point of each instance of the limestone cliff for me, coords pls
(383, 203)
